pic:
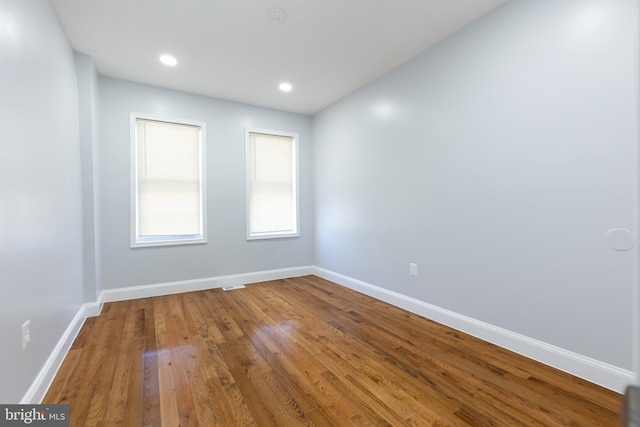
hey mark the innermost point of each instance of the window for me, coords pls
(168, 181)
(272, 184)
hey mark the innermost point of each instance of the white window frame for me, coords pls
(138, 241)
(295, 146)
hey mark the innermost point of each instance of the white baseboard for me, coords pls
(40, 385)
(606, 375)
(93, 309)
(144, 291)
(592, 370)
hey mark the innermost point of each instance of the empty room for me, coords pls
(414, 212)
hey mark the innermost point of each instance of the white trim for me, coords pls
(296, 193)
(93, 309)
(40, 385)
(135, 241)
(592, 370)
(144, 291)
(636, 263)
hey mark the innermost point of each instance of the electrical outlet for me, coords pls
(413, 269)
(26, 334)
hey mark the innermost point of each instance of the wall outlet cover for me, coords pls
(26, 334)
(413, 269)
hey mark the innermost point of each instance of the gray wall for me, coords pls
(496, 161)
(40, 190)
(227, 251)
(87, 82)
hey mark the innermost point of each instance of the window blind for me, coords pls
(272, 195)
(169, 199)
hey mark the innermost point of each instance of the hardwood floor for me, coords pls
(300, 352)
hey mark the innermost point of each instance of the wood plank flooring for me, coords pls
(305, 352)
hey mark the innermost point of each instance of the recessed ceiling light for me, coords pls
(168, 60)
(285, 87)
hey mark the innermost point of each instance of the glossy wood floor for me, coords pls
(302, 352)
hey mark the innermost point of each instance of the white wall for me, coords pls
(40, 194)
(227, 251)
(496, 161)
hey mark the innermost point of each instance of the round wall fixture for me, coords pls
(277, 14)
(619, 239)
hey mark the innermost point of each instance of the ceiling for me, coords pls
(241, 50)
